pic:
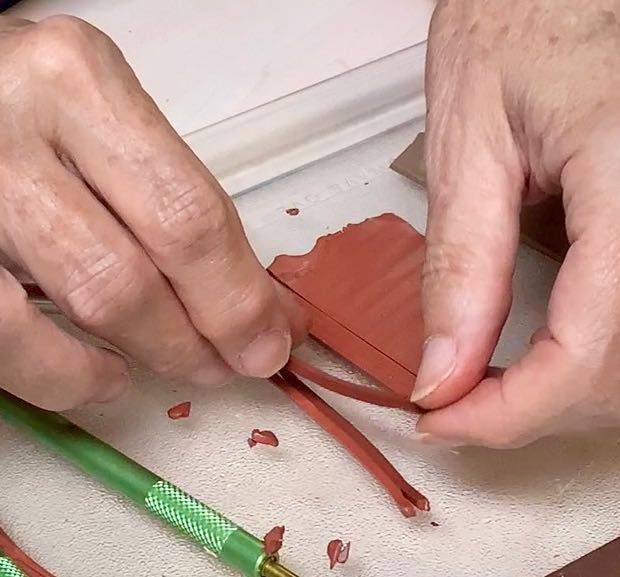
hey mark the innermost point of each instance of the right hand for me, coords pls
(107, 209)
(523, 104)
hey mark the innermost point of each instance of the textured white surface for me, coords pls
(501, 514)
(206, 61)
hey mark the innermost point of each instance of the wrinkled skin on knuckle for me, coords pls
(174, 361)
(60, 47)
(558, 66)
(99, 292)
(242, 311)
(448, 264)
(191, 224)
(62, 62)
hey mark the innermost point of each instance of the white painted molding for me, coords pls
(254, 147)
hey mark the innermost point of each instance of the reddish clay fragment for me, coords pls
(180, 411)
(27, 565)
(292, 211)
(338, 552)
(259, 437)
(273, 540)
(407, 497)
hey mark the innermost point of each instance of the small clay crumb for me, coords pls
(273, 540)
(434, 524)
(338, 552)
(366, 184)
(292, 211)
(259, 437)
(180, 411)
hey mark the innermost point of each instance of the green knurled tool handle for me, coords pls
(9, 569)
(213, 532)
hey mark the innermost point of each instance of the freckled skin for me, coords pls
(121, 225)
(522, 104)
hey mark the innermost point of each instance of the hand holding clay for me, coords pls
(106, 208)
(522, 103)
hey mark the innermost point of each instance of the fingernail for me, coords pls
(438, 362)
(266, 354)
(212, 375)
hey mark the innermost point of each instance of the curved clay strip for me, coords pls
(30, 567)
(369, 395)
(407, 497)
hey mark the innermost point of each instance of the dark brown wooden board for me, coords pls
(602, 562)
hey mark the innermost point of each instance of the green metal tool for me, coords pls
(8, 568)
(213, 532)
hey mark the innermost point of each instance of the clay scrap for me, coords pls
(273, 540)
(338, 552)
(258, 437)
(180, 411)
(542, 225)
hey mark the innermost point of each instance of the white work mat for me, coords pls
(500, 514)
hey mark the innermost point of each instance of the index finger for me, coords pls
(122, 144)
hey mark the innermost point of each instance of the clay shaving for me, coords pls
(180, 411)
(273, 540)
(338, 552)
(259, 437)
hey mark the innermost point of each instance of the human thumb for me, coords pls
(475, 183)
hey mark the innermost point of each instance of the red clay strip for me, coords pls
(369, 395)
(30, 567)
(406, 497)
